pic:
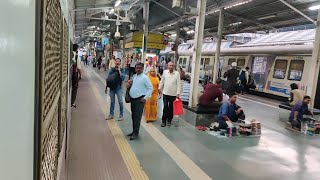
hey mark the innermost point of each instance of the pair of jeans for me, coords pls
(167, 114)
(136, 114)
(113, 94)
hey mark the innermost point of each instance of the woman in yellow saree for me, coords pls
(151, 106)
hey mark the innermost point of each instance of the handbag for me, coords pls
(127, 97)
(177, 107)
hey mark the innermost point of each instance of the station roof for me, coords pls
(240, 16)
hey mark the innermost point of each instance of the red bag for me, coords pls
(177, 107)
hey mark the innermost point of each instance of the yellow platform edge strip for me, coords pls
(131, 161)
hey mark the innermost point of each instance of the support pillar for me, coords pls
(314, 70)
(198, 39)
(215, 68)
(177, 44)
(145, 30)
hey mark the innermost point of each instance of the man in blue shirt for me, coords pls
(297, 112)
(115, 85)
(229, 112)
(140, 90)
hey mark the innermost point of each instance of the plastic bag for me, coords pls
(177, 107)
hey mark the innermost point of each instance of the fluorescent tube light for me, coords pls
(190, 32)
(314, 7)
(117, 3)
(267, 17)
(111, 11)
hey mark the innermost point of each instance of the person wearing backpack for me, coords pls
(114, 83)
(244, 79)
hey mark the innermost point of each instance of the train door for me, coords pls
(206, 65)
(260, 68)
(184, 62)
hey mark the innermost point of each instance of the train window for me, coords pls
(241, 62)
(296, 70)
(280, 68)
(231, 60)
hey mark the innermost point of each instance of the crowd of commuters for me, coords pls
(150, 82)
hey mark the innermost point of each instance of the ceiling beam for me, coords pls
(301, 13)
(105, 19)
(213, 10)
(249, 20)
(91, 8)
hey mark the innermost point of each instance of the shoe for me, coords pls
(130, 134)
(109, 117)
(133, 137)
(120, 118)
(169, 124)
(74, 105)
(163, 124)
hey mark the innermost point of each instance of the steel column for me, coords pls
(198, 39)
(145, 30)
(314, 70)
(218, 46)
(176, 55)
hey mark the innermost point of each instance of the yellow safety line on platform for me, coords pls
(193, 171)
(133, 165)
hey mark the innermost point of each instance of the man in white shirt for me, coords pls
(170, 86)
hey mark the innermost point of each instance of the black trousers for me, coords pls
(74, 94)
(167, 114)
(136, 114)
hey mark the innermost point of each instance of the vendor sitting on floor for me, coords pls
(210, 94)
(230, 112)
(297, 112)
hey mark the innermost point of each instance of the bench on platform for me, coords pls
(200, 116)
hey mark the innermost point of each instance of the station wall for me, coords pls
(17, 74)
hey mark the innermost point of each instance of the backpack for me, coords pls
(113, 80)
(242, 76)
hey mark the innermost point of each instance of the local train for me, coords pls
(275, 60)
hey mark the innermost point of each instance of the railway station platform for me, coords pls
(100, 149)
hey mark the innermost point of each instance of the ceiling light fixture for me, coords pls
(267, 17)
(314, 7)
(111, 11)
(117, 3)
(235, 24)
(190, 32)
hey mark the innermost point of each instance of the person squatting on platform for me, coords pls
(298, 110)
(230, 112)
(170, 86)
(141, 89)
(114, 83)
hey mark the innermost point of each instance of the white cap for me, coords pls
(234, 64)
